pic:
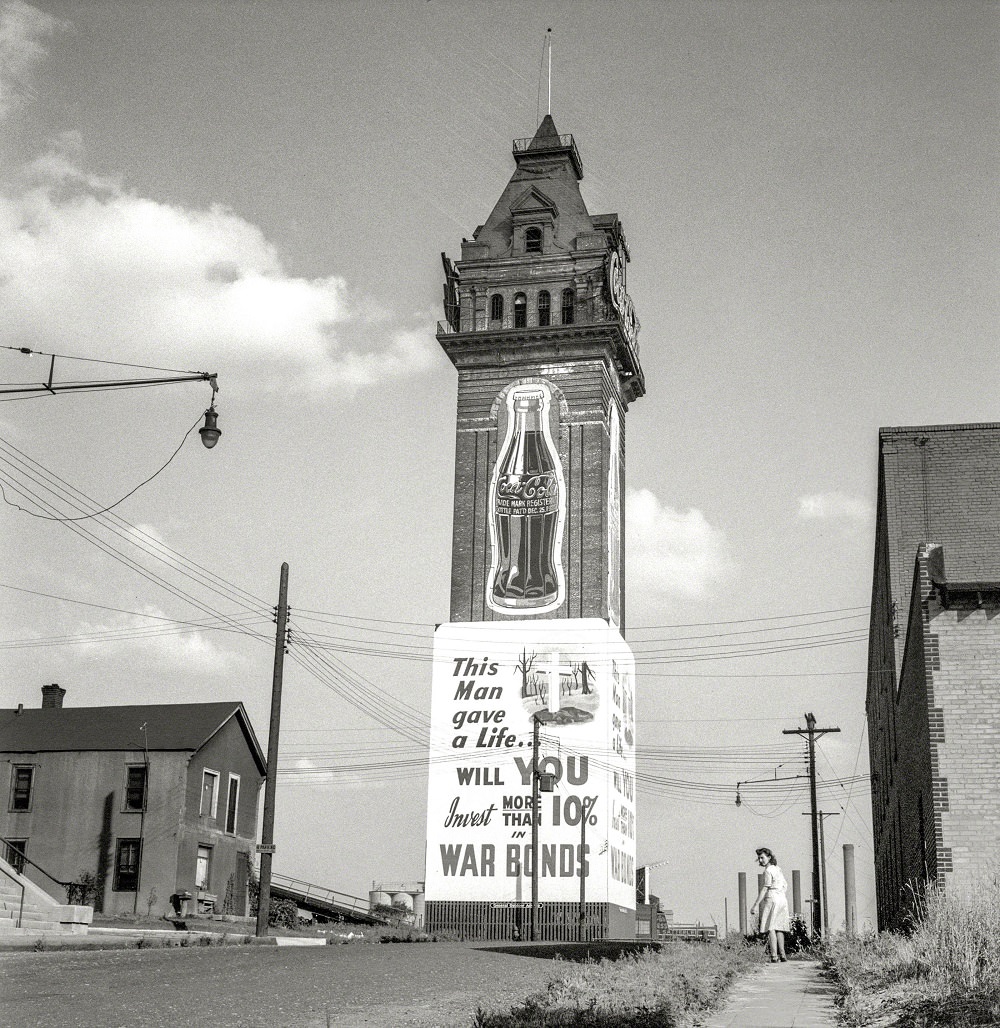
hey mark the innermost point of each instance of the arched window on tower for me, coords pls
(532, 240)
(496, 307)
(544, 308)
(520, 311)
(568, 304)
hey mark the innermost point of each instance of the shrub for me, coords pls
(283, 914)
(86, 891)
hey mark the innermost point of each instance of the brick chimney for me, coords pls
(52, 696)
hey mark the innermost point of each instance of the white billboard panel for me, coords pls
(491, 681)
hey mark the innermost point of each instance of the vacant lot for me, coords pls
(420, 985)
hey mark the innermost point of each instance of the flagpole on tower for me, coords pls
(548, 37)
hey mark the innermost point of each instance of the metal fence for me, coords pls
(557, 922)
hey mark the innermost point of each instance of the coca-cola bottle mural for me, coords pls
(527, 510)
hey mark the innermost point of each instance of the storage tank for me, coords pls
(377, 897)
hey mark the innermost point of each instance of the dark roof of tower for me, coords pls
(169, 726)
(547, 135)
(547, 177)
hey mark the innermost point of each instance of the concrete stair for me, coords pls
(27, 911)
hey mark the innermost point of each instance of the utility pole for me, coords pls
(587, 808)
(142, 813)
(536, 816)
(811, 733)
(825, 903)
(267, 831)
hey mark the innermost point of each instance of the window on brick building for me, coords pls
(544, 308)
(232, 804)
(127, 855)
(14, 851)
(135, 787)
(520, 310)
(496, 307)
(568, 305)
(21, 781)
(209, 793)
(533, 240)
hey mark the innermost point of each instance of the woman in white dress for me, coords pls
(771, 907)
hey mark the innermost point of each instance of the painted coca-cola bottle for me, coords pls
(527, 509)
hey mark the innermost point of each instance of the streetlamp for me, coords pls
(209, 433)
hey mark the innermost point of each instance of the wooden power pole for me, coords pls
(267, 830)
(811, 733)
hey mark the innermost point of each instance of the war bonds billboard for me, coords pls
(491, 681)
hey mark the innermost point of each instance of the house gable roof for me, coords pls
(169, 726)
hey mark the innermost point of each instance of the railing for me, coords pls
(25, 859)
(339, 899)
(20, 909)
(565, 139)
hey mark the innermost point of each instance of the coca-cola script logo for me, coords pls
(527, 494)
(528, 487)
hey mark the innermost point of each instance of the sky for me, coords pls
(264, 189)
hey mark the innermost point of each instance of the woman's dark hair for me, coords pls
(771, 858)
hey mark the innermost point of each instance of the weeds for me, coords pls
(654, 989)
(945, 971)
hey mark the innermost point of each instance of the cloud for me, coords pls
(22, 29)
(669, 552)
(833, 506)
(129, 278)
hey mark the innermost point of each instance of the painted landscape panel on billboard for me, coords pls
(491, 680)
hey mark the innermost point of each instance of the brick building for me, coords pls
(155, 800)
(933, 700)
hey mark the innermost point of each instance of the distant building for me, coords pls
(155, 801)
(933, 700)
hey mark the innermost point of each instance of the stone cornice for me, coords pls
(521, 346)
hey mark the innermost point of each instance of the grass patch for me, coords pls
(946, 971)
(652, 989)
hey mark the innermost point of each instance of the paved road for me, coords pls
(419, 985)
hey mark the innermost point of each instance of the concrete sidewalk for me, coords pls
(792, 995)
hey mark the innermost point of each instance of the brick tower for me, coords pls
(539, 298)
(533, 681)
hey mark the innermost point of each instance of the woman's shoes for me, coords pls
(784, 960)
(774, 960)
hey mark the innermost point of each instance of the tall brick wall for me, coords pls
(933, 699)
(583, 389)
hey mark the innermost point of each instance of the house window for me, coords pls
(209, 793)
(520, 310)
(135, 787)
(127, 855)
(21, 782)
(203, 867)
(232, 803)
(496, 307)
(14, 851)
(533, 240)
(544, 308)
(567, 306)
